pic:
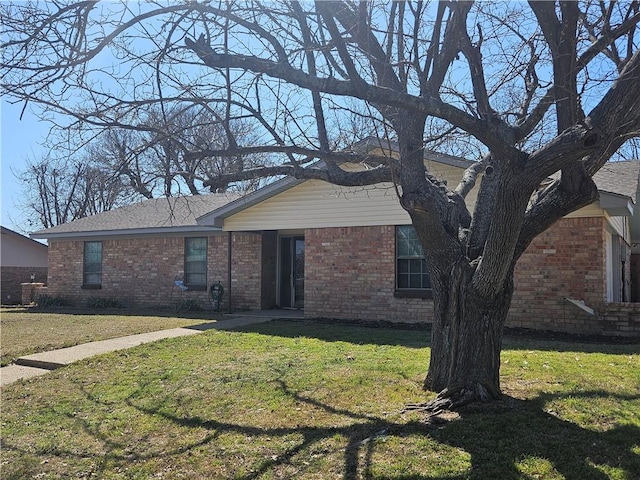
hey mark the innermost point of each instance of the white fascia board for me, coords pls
(616, 205)
(131, 232)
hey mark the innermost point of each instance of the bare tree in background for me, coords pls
(172, 136)
(535, 89)
(120, 166)
(59, 191)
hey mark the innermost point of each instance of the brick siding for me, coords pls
(11, 279)
(141, 271)
(246, 271)
(619, 319)
(566, 261)
(350, 274)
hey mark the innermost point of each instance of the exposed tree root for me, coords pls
(452, 399)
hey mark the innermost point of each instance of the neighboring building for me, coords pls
(22, 261)
(345, 253)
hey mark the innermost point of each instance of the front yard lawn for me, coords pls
(24, 331)
(298, 399)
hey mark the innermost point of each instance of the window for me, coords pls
(411, 267)
(195, 262)
(92, 264)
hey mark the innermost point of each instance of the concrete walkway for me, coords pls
(41, 363)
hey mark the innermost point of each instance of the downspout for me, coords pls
(229, 243)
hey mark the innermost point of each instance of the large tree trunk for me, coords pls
(466, 340)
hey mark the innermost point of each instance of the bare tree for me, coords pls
(174, 132)
(534, 88)
(122, 165)
(59, 191)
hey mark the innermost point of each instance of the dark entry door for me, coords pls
(291, 272)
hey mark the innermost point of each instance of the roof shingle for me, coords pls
(619, 177)
(148, 214)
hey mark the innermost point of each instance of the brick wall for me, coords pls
(141, 271)
(11, 279)
(269, 272)
(217, 267)
(136, 271)
(246, 269)
(619, 319)
(350, 274)
(566, 261)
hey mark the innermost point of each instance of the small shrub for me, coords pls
(189, 305)
(101, 303)
(45, 300)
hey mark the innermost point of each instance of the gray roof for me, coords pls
(159, 215)
(620, 178)
(205, 213)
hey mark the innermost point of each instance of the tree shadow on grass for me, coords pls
(419, 336)
(499, 438)
(512, 433)
(502, 440)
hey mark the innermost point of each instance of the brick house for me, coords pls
(22, 260)
(345, 253)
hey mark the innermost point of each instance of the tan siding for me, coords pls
(319, 204)
(592, 210)
(618, 226)
(316, 204)
(452, 175)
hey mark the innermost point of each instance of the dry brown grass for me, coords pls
(28, 330)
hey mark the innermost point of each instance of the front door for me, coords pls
(291, 272)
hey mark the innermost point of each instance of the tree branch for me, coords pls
(552, 204)
(373, 94)
(469, 179)
(334, 175)
(323, 137)
(367, 43)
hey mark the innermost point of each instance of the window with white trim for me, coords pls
(195, 262)
(92, 265)
(411, 266)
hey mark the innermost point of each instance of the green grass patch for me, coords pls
(305, 400)
(24, 331)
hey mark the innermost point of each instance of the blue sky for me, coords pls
(20, 140)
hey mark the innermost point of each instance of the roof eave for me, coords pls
(616, 205)
(127, 232)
